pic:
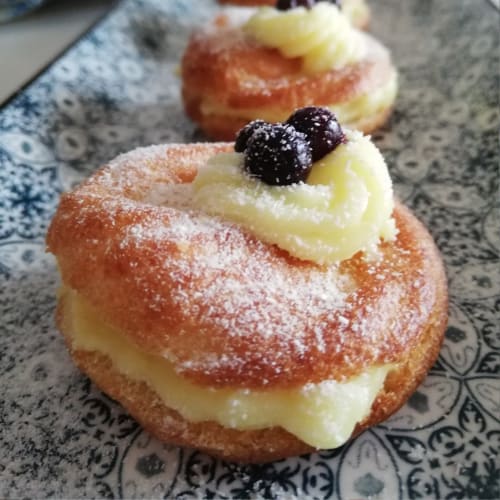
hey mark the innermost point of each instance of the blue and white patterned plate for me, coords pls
(116, 89)
(11, 9)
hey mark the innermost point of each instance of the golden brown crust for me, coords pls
(126, 257)
(222, 69)
(259, 445)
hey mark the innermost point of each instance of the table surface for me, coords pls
(31, 42)
(119, 89)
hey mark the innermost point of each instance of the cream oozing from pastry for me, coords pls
(349, 112)
(322, 415)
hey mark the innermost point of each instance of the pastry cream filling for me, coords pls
(344, 207)
(356, 11)
(349, 113)
(322, 36)
(322, 415)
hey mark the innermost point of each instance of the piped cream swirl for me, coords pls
(344, 207)
(322, 35)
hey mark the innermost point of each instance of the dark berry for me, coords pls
(321, 128)
(278, 155)
(291, 4)
(245, 133)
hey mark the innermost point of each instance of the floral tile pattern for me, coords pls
(116, 89)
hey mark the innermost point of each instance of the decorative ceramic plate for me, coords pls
(117, 89)
(10, 9)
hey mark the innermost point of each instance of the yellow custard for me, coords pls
(367, 105)
(356, 11)
(322, 36)
(322, 415)
(349, 113)
(344, 207)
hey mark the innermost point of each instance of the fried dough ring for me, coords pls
(228, 71)
(396, 314)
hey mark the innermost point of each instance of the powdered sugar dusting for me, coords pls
(270, 298)
(199, 278)
(223, 39)
(236, 17)
(209, 285)
(141, 175)
(177, 195)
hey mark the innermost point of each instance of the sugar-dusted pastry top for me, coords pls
(322, 35)
(240, 312)
(345, 205)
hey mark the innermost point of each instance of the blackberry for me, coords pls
(321, 128)
(245, 133)
(278, 155)
(290, 4)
